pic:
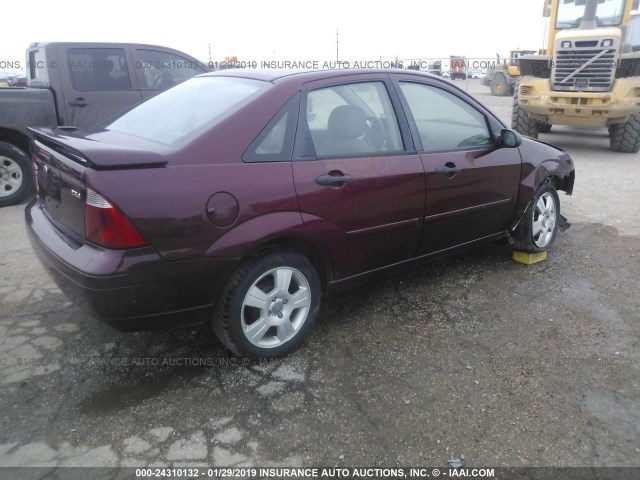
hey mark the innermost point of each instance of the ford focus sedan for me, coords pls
(241, 197)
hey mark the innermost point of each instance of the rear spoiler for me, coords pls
(95, 154)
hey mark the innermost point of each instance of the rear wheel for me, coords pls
(539, 224)
(15, 175)
(625, 137)
(499, 86)
(269, 305)
(520, 120)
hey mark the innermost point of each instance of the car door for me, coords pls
(471, 184)
(97, 83)
(359, 181)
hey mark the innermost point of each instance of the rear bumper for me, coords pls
(127, 289)
(587, 109)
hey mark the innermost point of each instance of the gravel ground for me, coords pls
(506, 364)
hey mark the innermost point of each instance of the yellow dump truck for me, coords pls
(588, 76)
(502, 76)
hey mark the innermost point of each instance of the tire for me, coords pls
(520, 120)
(15, 175)
(544, 127)
(625, 137)
(252, 302)
(499, 86)
(539, 224)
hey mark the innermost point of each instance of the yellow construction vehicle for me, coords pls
(588, 76)
(502, 76)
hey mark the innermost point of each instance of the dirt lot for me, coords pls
(476, 355)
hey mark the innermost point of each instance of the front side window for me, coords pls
(99, 69)
(163, 70)
(444, 121)
(183, 112)
(352, 120)
(608, 12)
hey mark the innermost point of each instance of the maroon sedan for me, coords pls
(242, 196)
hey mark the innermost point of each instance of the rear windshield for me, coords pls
(178, 115)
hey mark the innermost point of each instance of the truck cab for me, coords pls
(513, 68)
(94, 81)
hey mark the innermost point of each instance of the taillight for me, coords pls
(107, 226)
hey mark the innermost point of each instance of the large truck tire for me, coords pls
(625, 137)
(500, 86)
(15, 175)
(520, 120)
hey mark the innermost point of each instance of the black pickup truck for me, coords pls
(79, 85)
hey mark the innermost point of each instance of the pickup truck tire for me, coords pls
(520, 120)
(499, 86)
(269, 305)
(15, 175)
(539, 224)
(625, 137)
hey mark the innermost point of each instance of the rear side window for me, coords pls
(444, 121)
(94, 69)
(275, 142)
(181, 113)
(163, 70)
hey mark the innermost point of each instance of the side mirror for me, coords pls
(510, 138)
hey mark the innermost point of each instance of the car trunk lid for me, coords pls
(59, 179)
(102, 150)
(60, 162)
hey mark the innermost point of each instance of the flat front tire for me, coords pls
(269, 305)
(539, 224)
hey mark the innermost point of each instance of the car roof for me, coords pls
(303, 76)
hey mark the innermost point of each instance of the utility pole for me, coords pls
(337, 45)
(209, 53)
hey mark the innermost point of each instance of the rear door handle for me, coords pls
(447, 170)
(78, 102)
(333, 180)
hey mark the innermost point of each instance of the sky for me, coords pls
(281, 30)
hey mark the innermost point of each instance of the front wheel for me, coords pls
(269, 305)
(539, 224)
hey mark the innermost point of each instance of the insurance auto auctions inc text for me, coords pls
(291, 472)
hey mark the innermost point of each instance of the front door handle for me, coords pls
(333, 180)
(448, 170)
(79, 102)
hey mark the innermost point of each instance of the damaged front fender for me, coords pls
(542, 162)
